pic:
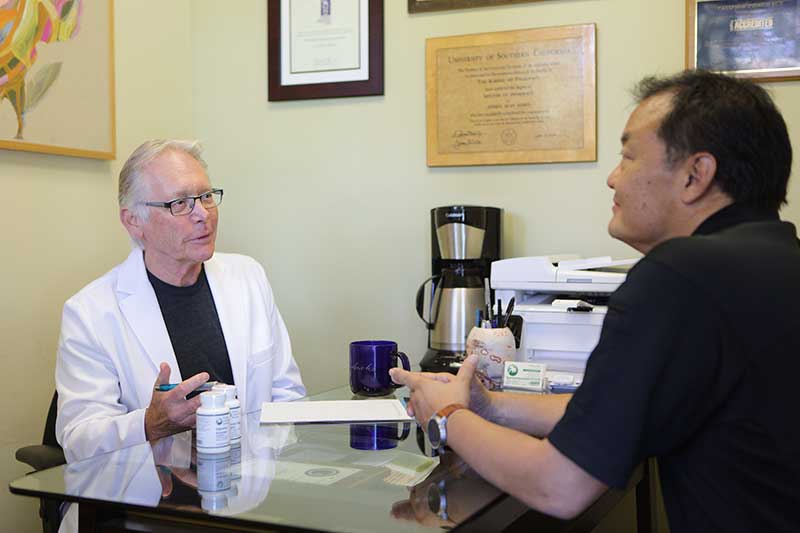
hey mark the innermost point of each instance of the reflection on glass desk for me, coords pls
(315, 477)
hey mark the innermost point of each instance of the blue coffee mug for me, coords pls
(370, 362)
(377, 436)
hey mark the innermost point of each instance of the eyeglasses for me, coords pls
(183, 206)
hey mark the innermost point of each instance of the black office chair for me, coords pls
(46, 455)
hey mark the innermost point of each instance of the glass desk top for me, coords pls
(327, 477)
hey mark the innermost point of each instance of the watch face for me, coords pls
(437, 500)
(434, 435)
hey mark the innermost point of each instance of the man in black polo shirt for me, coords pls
(699, 347)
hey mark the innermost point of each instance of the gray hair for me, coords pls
(131, 186)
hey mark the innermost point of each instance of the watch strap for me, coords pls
(448, 410)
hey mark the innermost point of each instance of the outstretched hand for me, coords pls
(432, 392)
(170, 412)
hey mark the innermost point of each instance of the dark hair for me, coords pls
(737, 122)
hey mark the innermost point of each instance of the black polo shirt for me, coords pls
(696, 365)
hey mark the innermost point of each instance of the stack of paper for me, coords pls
(333, 411)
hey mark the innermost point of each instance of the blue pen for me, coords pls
(208, 385)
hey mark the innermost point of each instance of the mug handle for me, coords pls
(406, 431)
(406, 366)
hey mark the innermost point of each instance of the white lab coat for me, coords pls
(113, 338)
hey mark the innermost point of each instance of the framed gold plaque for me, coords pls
(524, 96)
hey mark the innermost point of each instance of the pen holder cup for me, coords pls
(494, 347)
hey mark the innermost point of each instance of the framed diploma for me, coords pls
(420, 6)
(324, 48)
(525, 96)
(757, 39)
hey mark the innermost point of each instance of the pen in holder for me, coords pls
(494, 347)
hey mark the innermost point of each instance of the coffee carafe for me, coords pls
(464, 242)
(457, 291)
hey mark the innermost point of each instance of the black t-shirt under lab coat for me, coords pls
(696, 365)
(194, 329)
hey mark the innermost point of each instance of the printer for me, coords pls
(562, 301)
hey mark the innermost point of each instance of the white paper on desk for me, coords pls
(333, 411)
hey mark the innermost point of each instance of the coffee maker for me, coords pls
(465, 239)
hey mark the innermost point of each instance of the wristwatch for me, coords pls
(437, 500)
(437, 425)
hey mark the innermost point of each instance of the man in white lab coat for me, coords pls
(173, 311)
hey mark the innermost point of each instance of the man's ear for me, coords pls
(132, 223)
(702, 168)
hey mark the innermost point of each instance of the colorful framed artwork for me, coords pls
(753, 39)
(57, 77)
(422, 6)
(324, 48)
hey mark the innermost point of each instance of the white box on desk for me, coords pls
(561, 339)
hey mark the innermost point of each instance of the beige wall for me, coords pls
(59, 228)
(332, 196)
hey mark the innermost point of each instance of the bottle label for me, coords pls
(213, 472)
(236, 423)
(213, 431)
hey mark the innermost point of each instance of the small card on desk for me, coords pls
(524, 376)
(334, 411)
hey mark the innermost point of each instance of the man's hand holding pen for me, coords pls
(171, 412)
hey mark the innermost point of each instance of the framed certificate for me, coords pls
(324, 48)
(524, 96)
(757, 39)
(420, 6)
